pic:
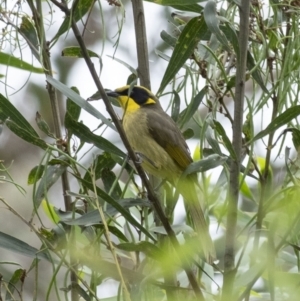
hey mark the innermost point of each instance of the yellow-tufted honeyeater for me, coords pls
(163, 150)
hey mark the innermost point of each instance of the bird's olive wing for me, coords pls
(166, 133)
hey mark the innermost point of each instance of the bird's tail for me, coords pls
(187, 188)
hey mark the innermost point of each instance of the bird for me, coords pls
(163, 151)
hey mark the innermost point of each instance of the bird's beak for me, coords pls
(112, 94)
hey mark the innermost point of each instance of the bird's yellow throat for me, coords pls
(129, 105)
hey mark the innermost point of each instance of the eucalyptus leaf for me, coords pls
(279, 121)
(79, 100)
(25, 135)
(167, 38)
(12, 61)
(175, 106)
(93, 217)
(51, 175)
(17, 276)
(116, 204)
(27, 30)
(192, 108)
(73, 112)
(18, 246)
(8, 110)
(85, 135)
(75, 51)
(146, 247)
(186, 44)
(205, 164)
(212, 141)
(102, 161)
(212, 21)
(256, 74)
(35, 174)
(131, 69)
(221, 131)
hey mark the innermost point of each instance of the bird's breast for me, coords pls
(155, 159)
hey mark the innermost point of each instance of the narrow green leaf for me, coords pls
(18, 246)
(186, 44)
(205, 164)
(231, 35)
(79, 100)
(75, 51)
(28, 32)
(85, 135)
(93, 217)
(192, 108)
(108, 178)
(35, 174)
(72, 108)
(130, 68)
(115, 231)
(11, 61)
(25, 135)
(296, 138)
(132, 78)
(103, 161)
(120, 209)
(279, 121)
(81, 9)
(50, 177)
(162, 55)
(212, 21)
(256, 73)
(221, 131)
(146, 247)
(167, 38)
(212, 141)
(73, 112)
(42, 124)
(80, 291)
(175, 106)
(18, 275)
(7, 110)
(188, 134)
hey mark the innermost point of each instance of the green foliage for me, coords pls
(11, 61)
(106, 226)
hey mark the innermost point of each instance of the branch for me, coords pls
(141, 43)
(230, 241)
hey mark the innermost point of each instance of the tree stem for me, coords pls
(234, 185)
(141, 43)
